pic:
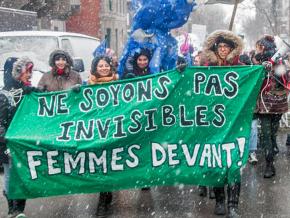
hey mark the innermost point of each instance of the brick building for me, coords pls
(97, 18)
(87, 20)
(102, 18)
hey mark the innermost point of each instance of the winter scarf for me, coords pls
(95, 80)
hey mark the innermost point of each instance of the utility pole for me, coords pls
(234, 15)
(275, 16)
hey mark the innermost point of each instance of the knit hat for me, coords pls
(268, 42)
(221, 39)
(269, 48)
(20, 65)
(142, 51)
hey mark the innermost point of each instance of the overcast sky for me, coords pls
(245, 11)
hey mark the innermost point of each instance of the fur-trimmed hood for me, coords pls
(209, 54)
(68, 58)
(9, 81)
(60, 52)
(19, 65)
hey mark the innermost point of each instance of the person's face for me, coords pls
(197, 60)
(223, 50)
(142, 61)
(115, 59)
(26, 75)
(103, 68)
(259, 48)
(60, 63)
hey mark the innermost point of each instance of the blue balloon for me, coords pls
(152, 22)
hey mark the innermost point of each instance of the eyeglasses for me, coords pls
(223, 46)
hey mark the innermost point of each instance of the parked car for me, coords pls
(37, 45)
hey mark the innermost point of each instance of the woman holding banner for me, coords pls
(17, 75)
(272, 101)
(102, 71)
(61, 76)
(223, 48)
(138, 64)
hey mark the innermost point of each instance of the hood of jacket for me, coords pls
(68, 59)
(209, 54)
(58, 52)
(9, 81)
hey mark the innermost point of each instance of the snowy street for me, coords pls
(260, 197)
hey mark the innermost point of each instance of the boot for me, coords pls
(19, 205)
(145, 189)
(20, 215)
(211, 193)
(202, 191)
(275, 149)
(10, 204)
(220, 208)
(104, 203)
(233, 200)
(270, 170)
(233, 213)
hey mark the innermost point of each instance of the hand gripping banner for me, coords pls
(166, 129)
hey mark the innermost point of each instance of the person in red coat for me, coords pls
(223, 48)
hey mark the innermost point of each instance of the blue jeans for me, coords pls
(6, 178)
(254, 136)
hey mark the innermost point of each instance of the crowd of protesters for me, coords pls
(221, 48)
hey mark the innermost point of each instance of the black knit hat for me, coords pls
(269, 48)
(222, 39)
(23, 62)
(143, 51)
(268, 42)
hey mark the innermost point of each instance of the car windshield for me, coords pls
(37, 48)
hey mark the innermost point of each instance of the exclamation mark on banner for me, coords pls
(241, 143)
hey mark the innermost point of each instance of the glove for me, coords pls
(129, 76)
(268, 66)
(181, 67)
(28, 90)
(76, 88)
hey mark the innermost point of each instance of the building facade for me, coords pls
(114, 23)
(51, 14)
(87, 19)
(104, 18)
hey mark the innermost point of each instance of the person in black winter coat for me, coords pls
(17, 75)
(138, 64)
(272, 101)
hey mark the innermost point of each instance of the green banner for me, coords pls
(165, 129)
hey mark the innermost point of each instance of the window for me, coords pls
(116, 38)
(65, 45)
(80, 47)
(108, 36)
(110, 5)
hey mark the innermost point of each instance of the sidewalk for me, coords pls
(267, 198)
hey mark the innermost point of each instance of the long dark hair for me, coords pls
(96, 61)
(136, 69)
(269, 48)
